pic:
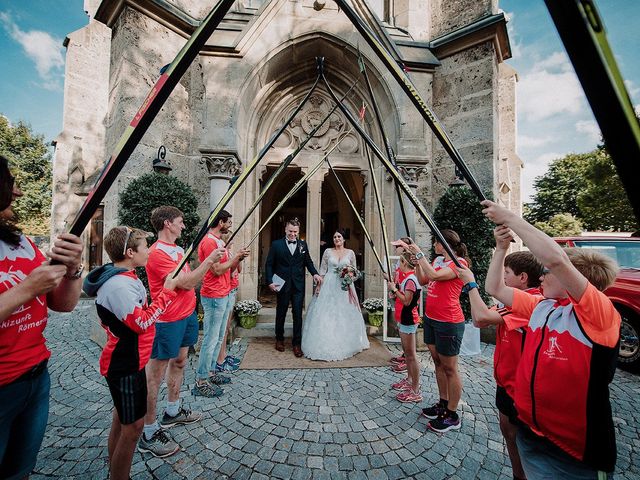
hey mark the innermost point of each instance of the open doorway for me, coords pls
(296, 206)
(337, 213)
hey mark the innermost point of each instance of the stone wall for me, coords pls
(237, 93)
(449, 15)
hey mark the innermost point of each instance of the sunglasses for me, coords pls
(126, 241)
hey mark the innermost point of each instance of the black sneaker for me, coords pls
(184, 417)
(206, 390)
(434, 411)
(218, 379)
(444, 423)
(160, 445)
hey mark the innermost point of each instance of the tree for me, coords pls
(603, 202)
(459, 209)
(561, 225)
(557, 189)
(30, 161)
(585, 186)
(153, 190)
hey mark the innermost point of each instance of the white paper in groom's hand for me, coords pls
(278, 282)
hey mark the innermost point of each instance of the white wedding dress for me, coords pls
(334, 327)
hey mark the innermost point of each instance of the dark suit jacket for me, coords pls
(289, 267)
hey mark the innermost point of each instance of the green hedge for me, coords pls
(153, 190)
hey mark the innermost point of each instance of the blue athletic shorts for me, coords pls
(172, 336)
(408, 329)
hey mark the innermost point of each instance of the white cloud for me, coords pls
(549, 88)
(42, 48)
(526, 141)
(590, 128)
(534, 168)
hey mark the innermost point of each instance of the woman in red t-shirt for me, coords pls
(28, 285)
(443, 326)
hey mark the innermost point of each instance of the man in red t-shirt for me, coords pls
(521, 270)
(176, 329)
(214, 296)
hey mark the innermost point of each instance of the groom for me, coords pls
(288, 258)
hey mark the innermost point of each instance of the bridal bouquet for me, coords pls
(348, 275)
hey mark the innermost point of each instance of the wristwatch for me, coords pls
(469, 286)
(77, 274)
(419, 255)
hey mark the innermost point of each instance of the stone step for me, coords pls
(263, 329)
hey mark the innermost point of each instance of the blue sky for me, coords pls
(553, 116)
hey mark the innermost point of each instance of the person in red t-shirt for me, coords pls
(406, 290)
(569, 355)
(130, 327)
(522, 271)
(176, 329)
(214, 296)
(443, 326)
(29, 284)
(224, 359)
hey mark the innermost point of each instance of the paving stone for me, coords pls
(298, 424)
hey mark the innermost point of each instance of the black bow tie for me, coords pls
(292, 241)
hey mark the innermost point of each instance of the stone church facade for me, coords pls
(254, 70)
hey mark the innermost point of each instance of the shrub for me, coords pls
(459, 209)
(152, 190)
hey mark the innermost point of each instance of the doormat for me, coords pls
(261, 354)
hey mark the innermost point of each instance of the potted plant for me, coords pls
(374, 307)
(247, 312)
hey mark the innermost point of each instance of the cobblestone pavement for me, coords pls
(295, 424)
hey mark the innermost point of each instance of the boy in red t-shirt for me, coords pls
(130, 326)
(521, 270)
(176, 330)
(569, 355)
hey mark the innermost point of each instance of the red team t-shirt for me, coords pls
(22, 343)
(214, 286)
(443, 296)
(163, 260)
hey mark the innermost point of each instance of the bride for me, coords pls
(334, 328)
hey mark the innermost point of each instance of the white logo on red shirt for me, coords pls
(554, 349)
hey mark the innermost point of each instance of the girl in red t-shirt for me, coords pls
(443, 326)
(406, 290)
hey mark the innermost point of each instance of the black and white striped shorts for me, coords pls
(129, 395)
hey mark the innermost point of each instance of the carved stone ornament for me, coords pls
(312, 114)
(410, 173)
(222, 165)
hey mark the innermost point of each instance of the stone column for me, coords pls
(221, 167)
(410, 173)
(313, 228)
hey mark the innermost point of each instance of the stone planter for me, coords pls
(248, 321)
(375, 318)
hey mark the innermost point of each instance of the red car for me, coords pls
(624, 293)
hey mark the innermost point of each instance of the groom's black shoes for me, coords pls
(297, 351)
(280, 345)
